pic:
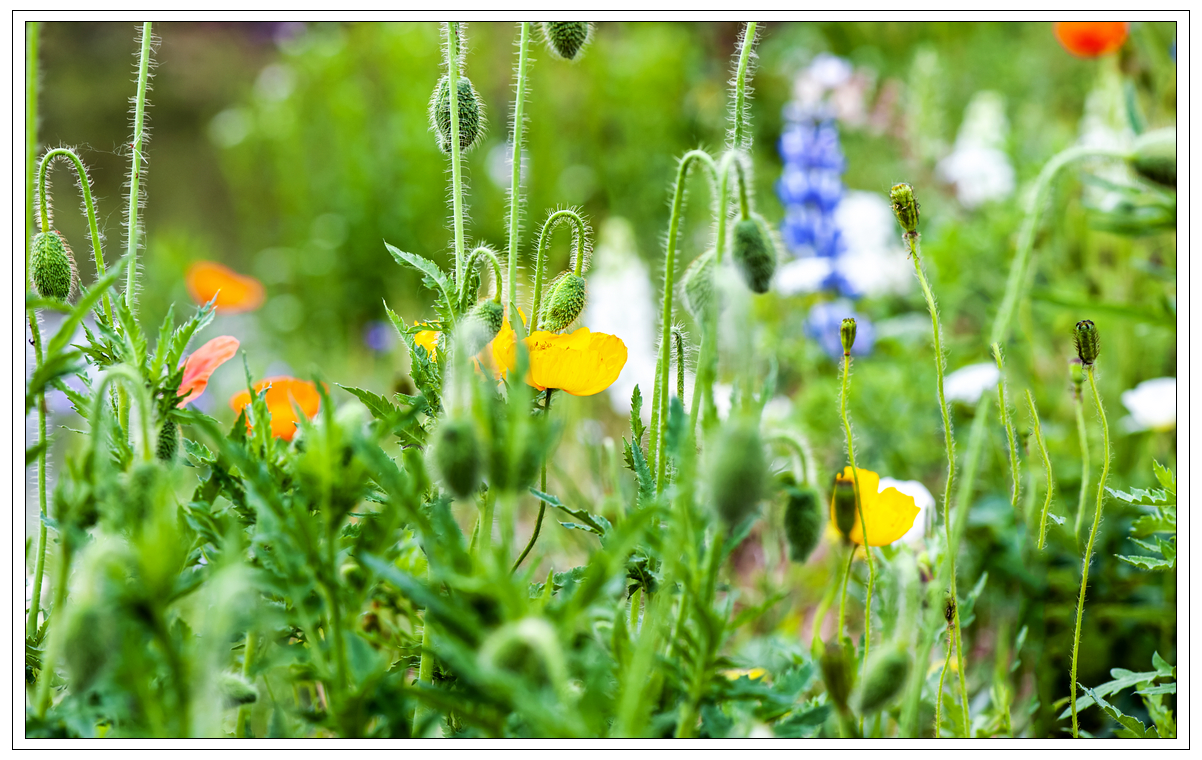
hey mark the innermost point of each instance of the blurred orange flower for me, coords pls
(282, 393)
(235, 292)
(1090, 39)
(581, 364)
(888, 514)
(202, 363)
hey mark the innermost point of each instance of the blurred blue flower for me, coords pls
(823, 324)
(379, 335)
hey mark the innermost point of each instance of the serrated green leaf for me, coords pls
(1163, 668)
(1165, 477)
(87, 300)
(426, 267)
(1148, 563)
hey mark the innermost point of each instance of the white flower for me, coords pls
(979, 166)
(922, 499)
(968, 383)
(778, 409)
(1153, 405)
(873, 262)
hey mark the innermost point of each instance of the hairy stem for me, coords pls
(740, 139)
(515, 187)
(855, 474)
(248, 655)
(851, 555)
(135, 174)
(85, 188)
(942, 675)
(542, 505)
(456, 178)
(579, 237)
(1047, 466)
(1083, 442)
(1004, 413)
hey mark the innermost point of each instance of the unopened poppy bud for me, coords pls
(883, 679)
(737, 471)
(838, 672)
(905, 207)
(52, 267)
(803, 519)
(754, 253)
(847, 335)
(699, 284)
(1155, 156)
(167, 444)
(565, 303)
(1085, 335)
(481, 325)
(567, 38)
(471, 113)
(843, 503)
(456, 454)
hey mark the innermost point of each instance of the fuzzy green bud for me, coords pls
(1085, 336)
(847, 335)
(167, 444)
(754, 253)
(235, 690)
(456, 455)
(481, 325)
(565, 303)
(471, 113)
(698, 282)
(567, 38)
(737, 471)
(884, 677)
(905, 207)
(52, 267)
(803, 519)
(838, 672)
(843, 501)
(1155, 156)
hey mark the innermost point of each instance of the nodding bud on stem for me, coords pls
(168, 441)
(52, 267)
(1155, 156)
(847, 335)
(456, 455)
(883, 679)
(838, 672)
(754, 253)
(843, 503)
(481, 325)
(737, 471)
(905, 207)
(471, 113)
(567, 38)
(565, 303)
(803, 519)
(1085, 335)
(699, 284)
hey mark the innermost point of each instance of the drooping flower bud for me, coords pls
(565, 303)
(754, 253)
(737, 471)
(803, 519)
(481, 325)
(1085, 335)
(905, 207)
(883, 679)
(471, 113)
(1155, 156)
(456, 457)
(567, 38)
(699, 284)
(52, 267)
(167, 444)
(838, 672)
(847, 335)
(843, 503)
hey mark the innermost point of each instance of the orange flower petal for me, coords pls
(282, 392)
(1090, 39)
(888, 514)
(235, 292)
(200, 366)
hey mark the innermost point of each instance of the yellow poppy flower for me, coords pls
(428, 339)
(581, 364)
(888, 514)
(752, 673)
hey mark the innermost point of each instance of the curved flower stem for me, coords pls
(1047, 466)
(1093, 534)
(800, 449)
(85, 187)
(661, 378)
(1083, 442)
(1004, 412)
(542, 505)
(739, 137)
(579, 237)
(135, 174)
(452, 61)
(515, 187)
(942, 675)
(484, 252)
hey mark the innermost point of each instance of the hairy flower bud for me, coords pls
(1155, 156)
(456, 455)
(1085, 336)
(167, 444)
(235, 690)
(52, 267)
(565, 303)
(803, 519)
(905, 207)
(884, 676)
(847, 335)
(737, 471)
(699, 284)
(567, 38)
(838, 672)
(471, 113)
(481, 325)
(843, 503)
(754, 253)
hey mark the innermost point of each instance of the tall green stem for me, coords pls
(851, 555)
(542, 505)
(951, 639)
(248, 655)
(515, 187)
(1093, 534)
(740, 140)
(855, 474)
(1083, 442)
(1047, 466)
(456, 180)
(1004, 414)
(135, 174)
(85, 188)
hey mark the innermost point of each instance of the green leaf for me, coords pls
(1165, 688)
(87, 300)
(1141, 497)
(53, 368)
(1133, 728)
(32, 453)
(1158, 523)
(1166, 477)
(636, 462)
(637, 428)
(380, 407)
(1163, 668)
(181, 337)
(591, 523)
(1148, 563)
(437, 279)
(1122, 679)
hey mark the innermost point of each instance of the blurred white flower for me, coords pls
(874, 262)
(922, 499)
(978, 165)
(802, 275)
(778, 409)
(1152, 404)
(968, 383)
(723, 395)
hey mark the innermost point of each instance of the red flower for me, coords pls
(202, 363)
(1090, 39)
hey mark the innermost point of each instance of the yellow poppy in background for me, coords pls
(888, 514)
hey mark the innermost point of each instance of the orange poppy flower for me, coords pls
(202, 363)
(888, 514)
(235, 292)
(581, 364)
(282, 393)
(1090, 39)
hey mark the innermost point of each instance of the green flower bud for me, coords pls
(949, 608)
(883, 679)
(838, 672)
(456, 455)
(567, 38)
(847, 335)
(1085, 336)
(699, 284)
(754, 253)
(481, 325)
(737, 471)
(565, 303)
(904, 206)
(52, 267)
(803, 519)
(471, 113)
(167, 444)
(235, 690)
(1155, 156)
(843, 499)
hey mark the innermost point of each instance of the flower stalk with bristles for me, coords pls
(1037, 434)
(1004, 414)
(515, 186)
(1077, 377)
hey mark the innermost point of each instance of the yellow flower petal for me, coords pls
(888, 514)
(581, 364)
